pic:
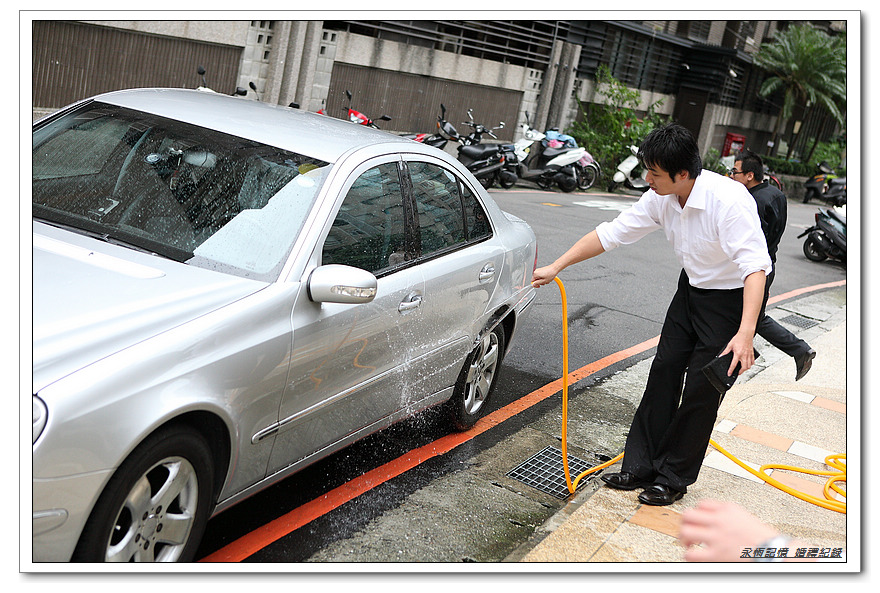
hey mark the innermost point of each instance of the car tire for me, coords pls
(477, 381)
(156, 505)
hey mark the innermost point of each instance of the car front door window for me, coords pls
(369, 229)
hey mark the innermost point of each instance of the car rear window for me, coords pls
(182, 191)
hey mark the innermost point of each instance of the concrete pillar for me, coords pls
(553, 110)
(566, 73)
(292, 64)
(548, 88)
(305, 76)
(278, 62)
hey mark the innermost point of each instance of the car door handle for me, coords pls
(487, 273)
(412, 301)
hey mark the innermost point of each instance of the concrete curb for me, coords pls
(765, 418)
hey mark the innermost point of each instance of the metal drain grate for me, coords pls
(544, 471)
(798, 321)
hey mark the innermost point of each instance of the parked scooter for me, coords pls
(546, 165)
(445, 132)
(587, 169)
(359, 118)
(826, 185)
(629, 173)
(485, 161)
(827, 238)
(773, 179)
(239, 91)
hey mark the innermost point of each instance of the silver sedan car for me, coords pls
(226, 291)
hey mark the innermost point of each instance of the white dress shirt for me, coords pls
(716, 237)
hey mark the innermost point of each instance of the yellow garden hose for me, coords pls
(838, 474)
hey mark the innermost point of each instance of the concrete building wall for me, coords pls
(292, 62)
(369, 52)
(225, 32)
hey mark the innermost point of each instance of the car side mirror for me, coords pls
(335, 283)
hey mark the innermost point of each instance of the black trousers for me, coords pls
(769, 329)
(673, 423)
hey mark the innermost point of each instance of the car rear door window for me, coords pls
(449, 215)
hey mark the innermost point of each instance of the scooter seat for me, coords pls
(478, 151)
(553, 152)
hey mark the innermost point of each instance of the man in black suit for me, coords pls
(715, 232)
(748, 169)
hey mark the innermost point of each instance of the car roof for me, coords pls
(311, 134)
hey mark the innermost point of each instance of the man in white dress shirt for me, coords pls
(713, 226)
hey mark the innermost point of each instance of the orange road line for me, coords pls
(261, 537)
(800, 291)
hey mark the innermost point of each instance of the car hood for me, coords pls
(92, 299)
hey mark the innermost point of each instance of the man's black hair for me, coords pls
(752, 163)
(673, 149)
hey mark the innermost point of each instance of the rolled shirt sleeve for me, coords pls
(742, 239)
(632, 224)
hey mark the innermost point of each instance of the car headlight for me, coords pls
(41, 413)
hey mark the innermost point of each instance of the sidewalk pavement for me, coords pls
(765, 418)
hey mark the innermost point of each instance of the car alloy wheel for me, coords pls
(477, 380)
(157, 504)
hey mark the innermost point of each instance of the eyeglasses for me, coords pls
(733, 172)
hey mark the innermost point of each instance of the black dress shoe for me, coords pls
(660, 495)
(803, 363)
(625, 481)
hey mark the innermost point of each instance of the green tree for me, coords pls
(609, 128)
(809, 67)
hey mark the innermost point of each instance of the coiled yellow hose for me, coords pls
(838, 474)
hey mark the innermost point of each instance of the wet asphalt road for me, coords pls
(461, 506)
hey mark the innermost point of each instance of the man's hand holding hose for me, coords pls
(588, 246)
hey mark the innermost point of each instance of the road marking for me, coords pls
(605, 204)
(263, 536)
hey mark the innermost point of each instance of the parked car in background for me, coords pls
(226, 291)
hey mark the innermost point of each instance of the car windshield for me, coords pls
(171, 188)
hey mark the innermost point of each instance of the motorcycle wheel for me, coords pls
(567, 183)
(586, 177)
(544, 183)
(487, 182)
(812, 251)
(612, 186)
(507, 181)
(809, 194)
(775, 182)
